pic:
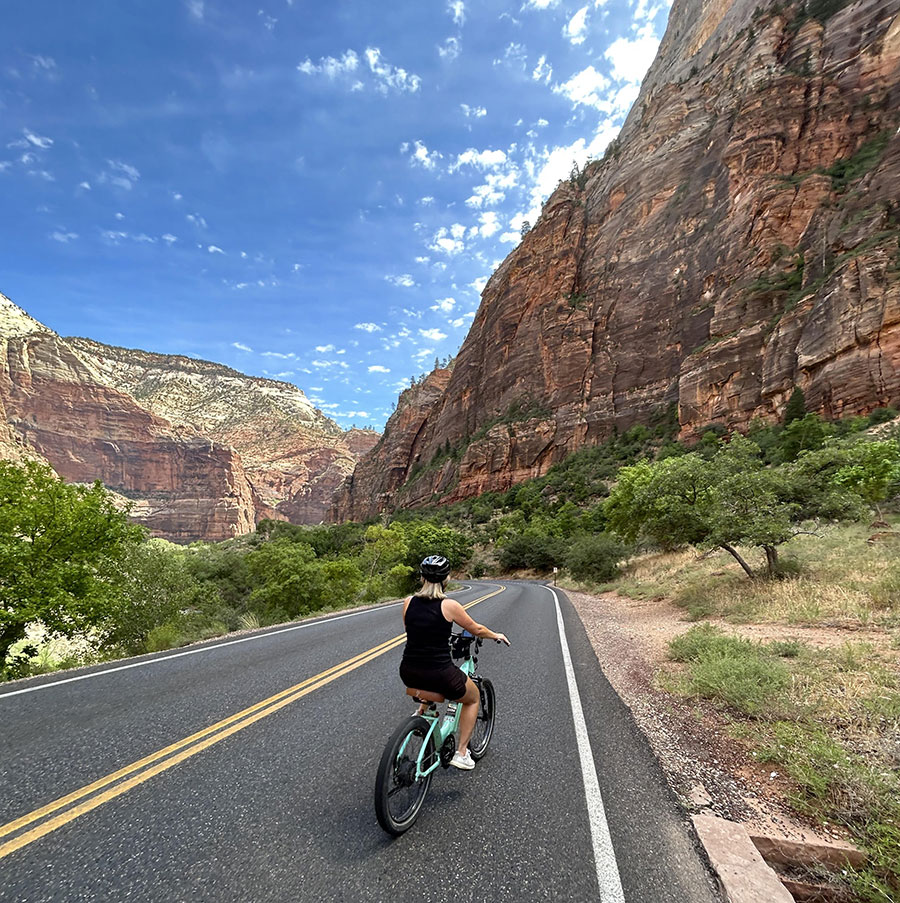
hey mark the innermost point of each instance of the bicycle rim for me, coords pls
(398, 795)
(484, 725)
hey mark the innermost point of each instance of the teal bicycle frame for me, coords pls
(441, 726)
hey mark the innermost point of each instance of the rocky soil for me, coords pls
(707, 768)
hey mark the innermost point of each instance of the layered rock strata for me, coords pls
(740, 237)
(293, 455)
(200, 451)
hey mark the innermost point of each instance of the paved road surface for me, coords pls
(277, 804)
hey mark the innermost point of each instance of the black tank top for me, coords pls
(427, 634)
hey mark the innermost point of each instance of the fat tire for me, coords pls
(385, 780)
(484, 726)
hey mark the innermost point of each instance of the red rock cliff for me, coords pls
(741, 237)
(200, 451)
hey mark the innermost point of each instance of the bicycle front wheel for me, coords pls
(398, 794)
(484, 726)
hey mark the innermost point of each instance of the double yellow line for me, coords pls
(87, 798)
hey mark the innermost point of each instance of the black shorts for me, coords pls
(447, 680)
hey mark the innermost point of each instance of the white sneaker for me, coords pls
(466, 762)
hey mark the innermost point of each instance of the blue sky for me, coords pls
(307, 191)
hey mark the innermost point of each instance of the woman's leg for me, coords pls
(469, 714)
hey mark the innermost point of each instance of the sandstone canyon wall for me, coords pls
(200, 451)
(740, 237)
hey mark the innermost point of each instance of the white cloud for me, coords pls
(37, 140)
(420, 155)
(377, 368)
(324, 349)
(479, 284)
(434, 335)
(444, 304)
(390, 77)
(214, 249)
(367, 327)
(586, 88)
(494, 189)
(489, 223)
(515, 54)
(543, 71)
(176, 196)
(169, 238)
(285, 357)
(539, 4)
(473, 112)
(197, 220)
(122, 175)
(241, 347)
(195, 8)
(120, 216)
(64, 237)
(458, 11)
(113, 236)
(404, 281)
(631, 59)
(423, 353)
(511, 237)
(446, 243)
(450, 49)
(576, 27)
(330, 66)
(85, 185)
(43, 63)
(486, 159)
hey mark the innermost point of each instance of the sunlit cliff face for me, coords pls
(740, 238)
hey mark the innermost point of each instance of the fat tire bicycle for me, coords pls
(423, 742)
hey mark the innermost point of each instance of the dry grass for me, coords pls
(842, 580)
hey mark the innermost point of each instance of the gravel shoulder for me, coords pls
(709, 770)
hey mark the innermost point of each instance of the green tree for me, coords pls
(60, 546)
(595, 558)
(872, 472)
(795, 409)
(156, 586)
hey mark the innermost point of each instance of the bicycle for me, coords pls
(423, 742)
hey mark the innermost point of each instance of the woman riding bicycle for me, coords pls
(428, 617)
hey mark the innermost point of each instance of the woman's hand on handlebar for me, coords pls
(501, 638)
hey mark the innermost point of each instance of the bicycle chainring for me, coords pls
(448, 748)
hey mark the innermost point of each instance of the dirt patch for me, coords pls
(708, 769)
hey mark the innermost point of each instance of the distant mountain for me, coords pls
(201, 450)
(740, 237)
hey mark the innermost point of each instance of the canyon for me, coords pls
(740, 238)
(197, 450)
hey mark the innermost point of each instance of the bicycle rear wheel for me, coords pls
(398, 795)
(484, 726)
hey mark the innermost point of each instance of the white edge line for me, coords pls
(211, 647)
(608, 879)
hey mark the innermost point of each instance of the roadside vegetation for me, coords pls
(791, 524)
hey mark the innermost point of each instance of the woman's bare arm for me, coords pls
(452, 608)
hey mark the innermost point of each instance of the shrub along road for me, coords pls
(244, 770)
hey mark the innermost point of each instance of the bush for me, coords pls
(729, 669)
(536, 551)
(595, 558)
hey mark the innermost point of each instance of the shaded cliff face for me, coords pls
(201, 451)
(741, 237)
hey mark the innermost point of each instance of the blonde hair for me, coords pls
(431, 590)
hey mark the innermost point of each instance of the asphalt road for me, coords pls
(277, 804)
